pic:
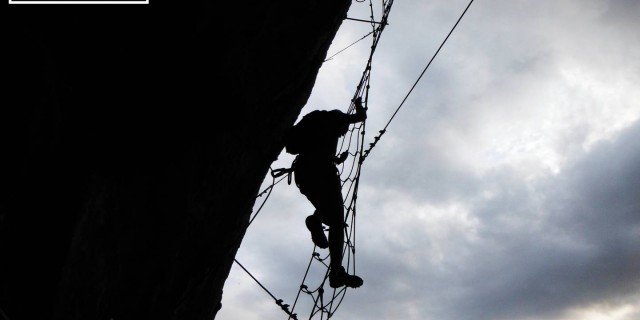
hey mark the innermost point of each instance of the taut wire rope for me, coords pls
(384, 130)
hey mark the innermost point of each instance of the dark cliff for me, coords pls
(137, 138)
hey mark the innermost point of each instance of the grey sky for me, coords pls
(508, 186)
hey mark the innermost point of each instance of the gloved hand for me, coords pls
(360, 110)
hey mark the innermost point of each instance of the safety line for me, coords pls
(279, 302)
(384, 130)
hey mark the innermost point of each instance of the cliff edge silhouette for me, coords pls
(136, 139)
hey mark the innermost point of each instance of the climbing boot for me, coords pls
(339, 278)
(317, 232)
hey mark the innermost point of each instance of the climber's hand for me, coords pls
(360, 110)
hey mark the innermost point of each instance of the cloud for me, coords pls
(524, 250)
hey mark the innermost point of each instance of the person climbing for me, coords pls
(315, 140)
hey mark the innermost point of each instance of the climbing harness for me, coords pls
(282, 171)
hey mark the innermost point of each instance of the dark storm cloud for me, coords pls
(561, 242)
(582, 249)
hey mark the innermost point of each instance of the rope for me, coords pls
(274, 174)
(347, 47)
(279, 302)
(384, 130)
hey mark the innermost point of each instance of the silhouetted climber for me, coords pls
(315, 140)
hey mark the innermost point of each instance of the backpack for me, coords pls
(296, 138)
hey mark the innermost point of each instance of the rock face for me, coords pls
(137, 138)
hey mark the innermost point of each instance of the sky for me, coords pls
(508, 185)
